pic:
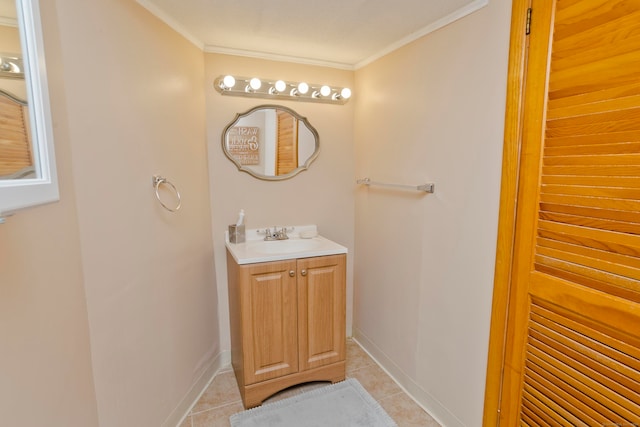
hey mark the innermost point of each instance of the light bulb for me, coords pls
(303, 88)
(325, 90)
(255, 83)
(228, 82)
(345, 93)
(280, 86)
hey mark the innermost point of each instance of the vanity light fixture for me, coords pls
(345, 93)
(254, 85)
(281, 89)
(11, 66)
(301, 89)
(227, 82)
(324, 91)
(278, 87)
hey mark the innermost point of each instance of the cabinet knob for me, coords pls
(303, 272)
(292, 273)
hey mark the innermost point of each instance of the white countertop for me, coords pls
(256, 249)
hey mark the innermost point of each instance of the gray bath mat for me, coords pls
(344, 404)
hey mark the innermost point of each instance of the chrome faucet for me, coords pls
(276, 234)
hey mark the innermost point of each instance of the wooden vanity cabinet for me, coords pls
(287, 323)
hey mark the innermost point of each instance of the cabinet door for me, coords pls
(321, 310)
(269, 320)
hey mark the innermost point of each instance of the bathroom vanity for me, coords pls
(287, 311)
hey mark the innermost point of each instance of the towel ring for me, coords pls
(157, 182)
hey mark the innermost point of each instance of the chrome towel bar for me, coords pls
(427, 188)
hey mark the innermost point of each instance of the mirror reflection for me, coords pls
(16, 154)
(27, 156)
(270, 142)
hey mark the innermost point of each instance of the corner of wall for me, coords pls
(209, 372)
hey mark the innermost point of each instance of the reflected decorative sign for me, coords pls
(244, 144)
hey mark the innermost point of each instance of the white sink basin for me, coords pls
(256, 249)
(286, 246)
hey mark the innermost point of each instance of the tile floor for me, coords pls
(222, 398)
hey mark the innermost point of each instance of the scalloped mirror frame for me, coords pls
(21, 193)
(250, 171)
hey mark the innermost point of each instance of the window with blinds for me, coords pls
(15, 148)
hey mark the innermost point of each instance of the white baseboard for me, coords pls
(423, 398)
(221, 361)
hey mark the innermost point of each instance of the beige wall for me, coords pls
(322, 195)
(9, 39)
(424, 263)
(128, 103)
(45, 358)
(136, 108)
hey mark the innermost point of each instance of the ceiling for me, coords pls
(338, 33)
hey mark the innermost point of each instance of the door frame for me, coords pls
(502, 295)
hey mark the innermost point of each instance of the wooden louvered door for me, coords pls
(287, 152)
(571, 348)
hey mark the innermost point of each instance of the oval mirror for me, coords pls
(271, 142)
